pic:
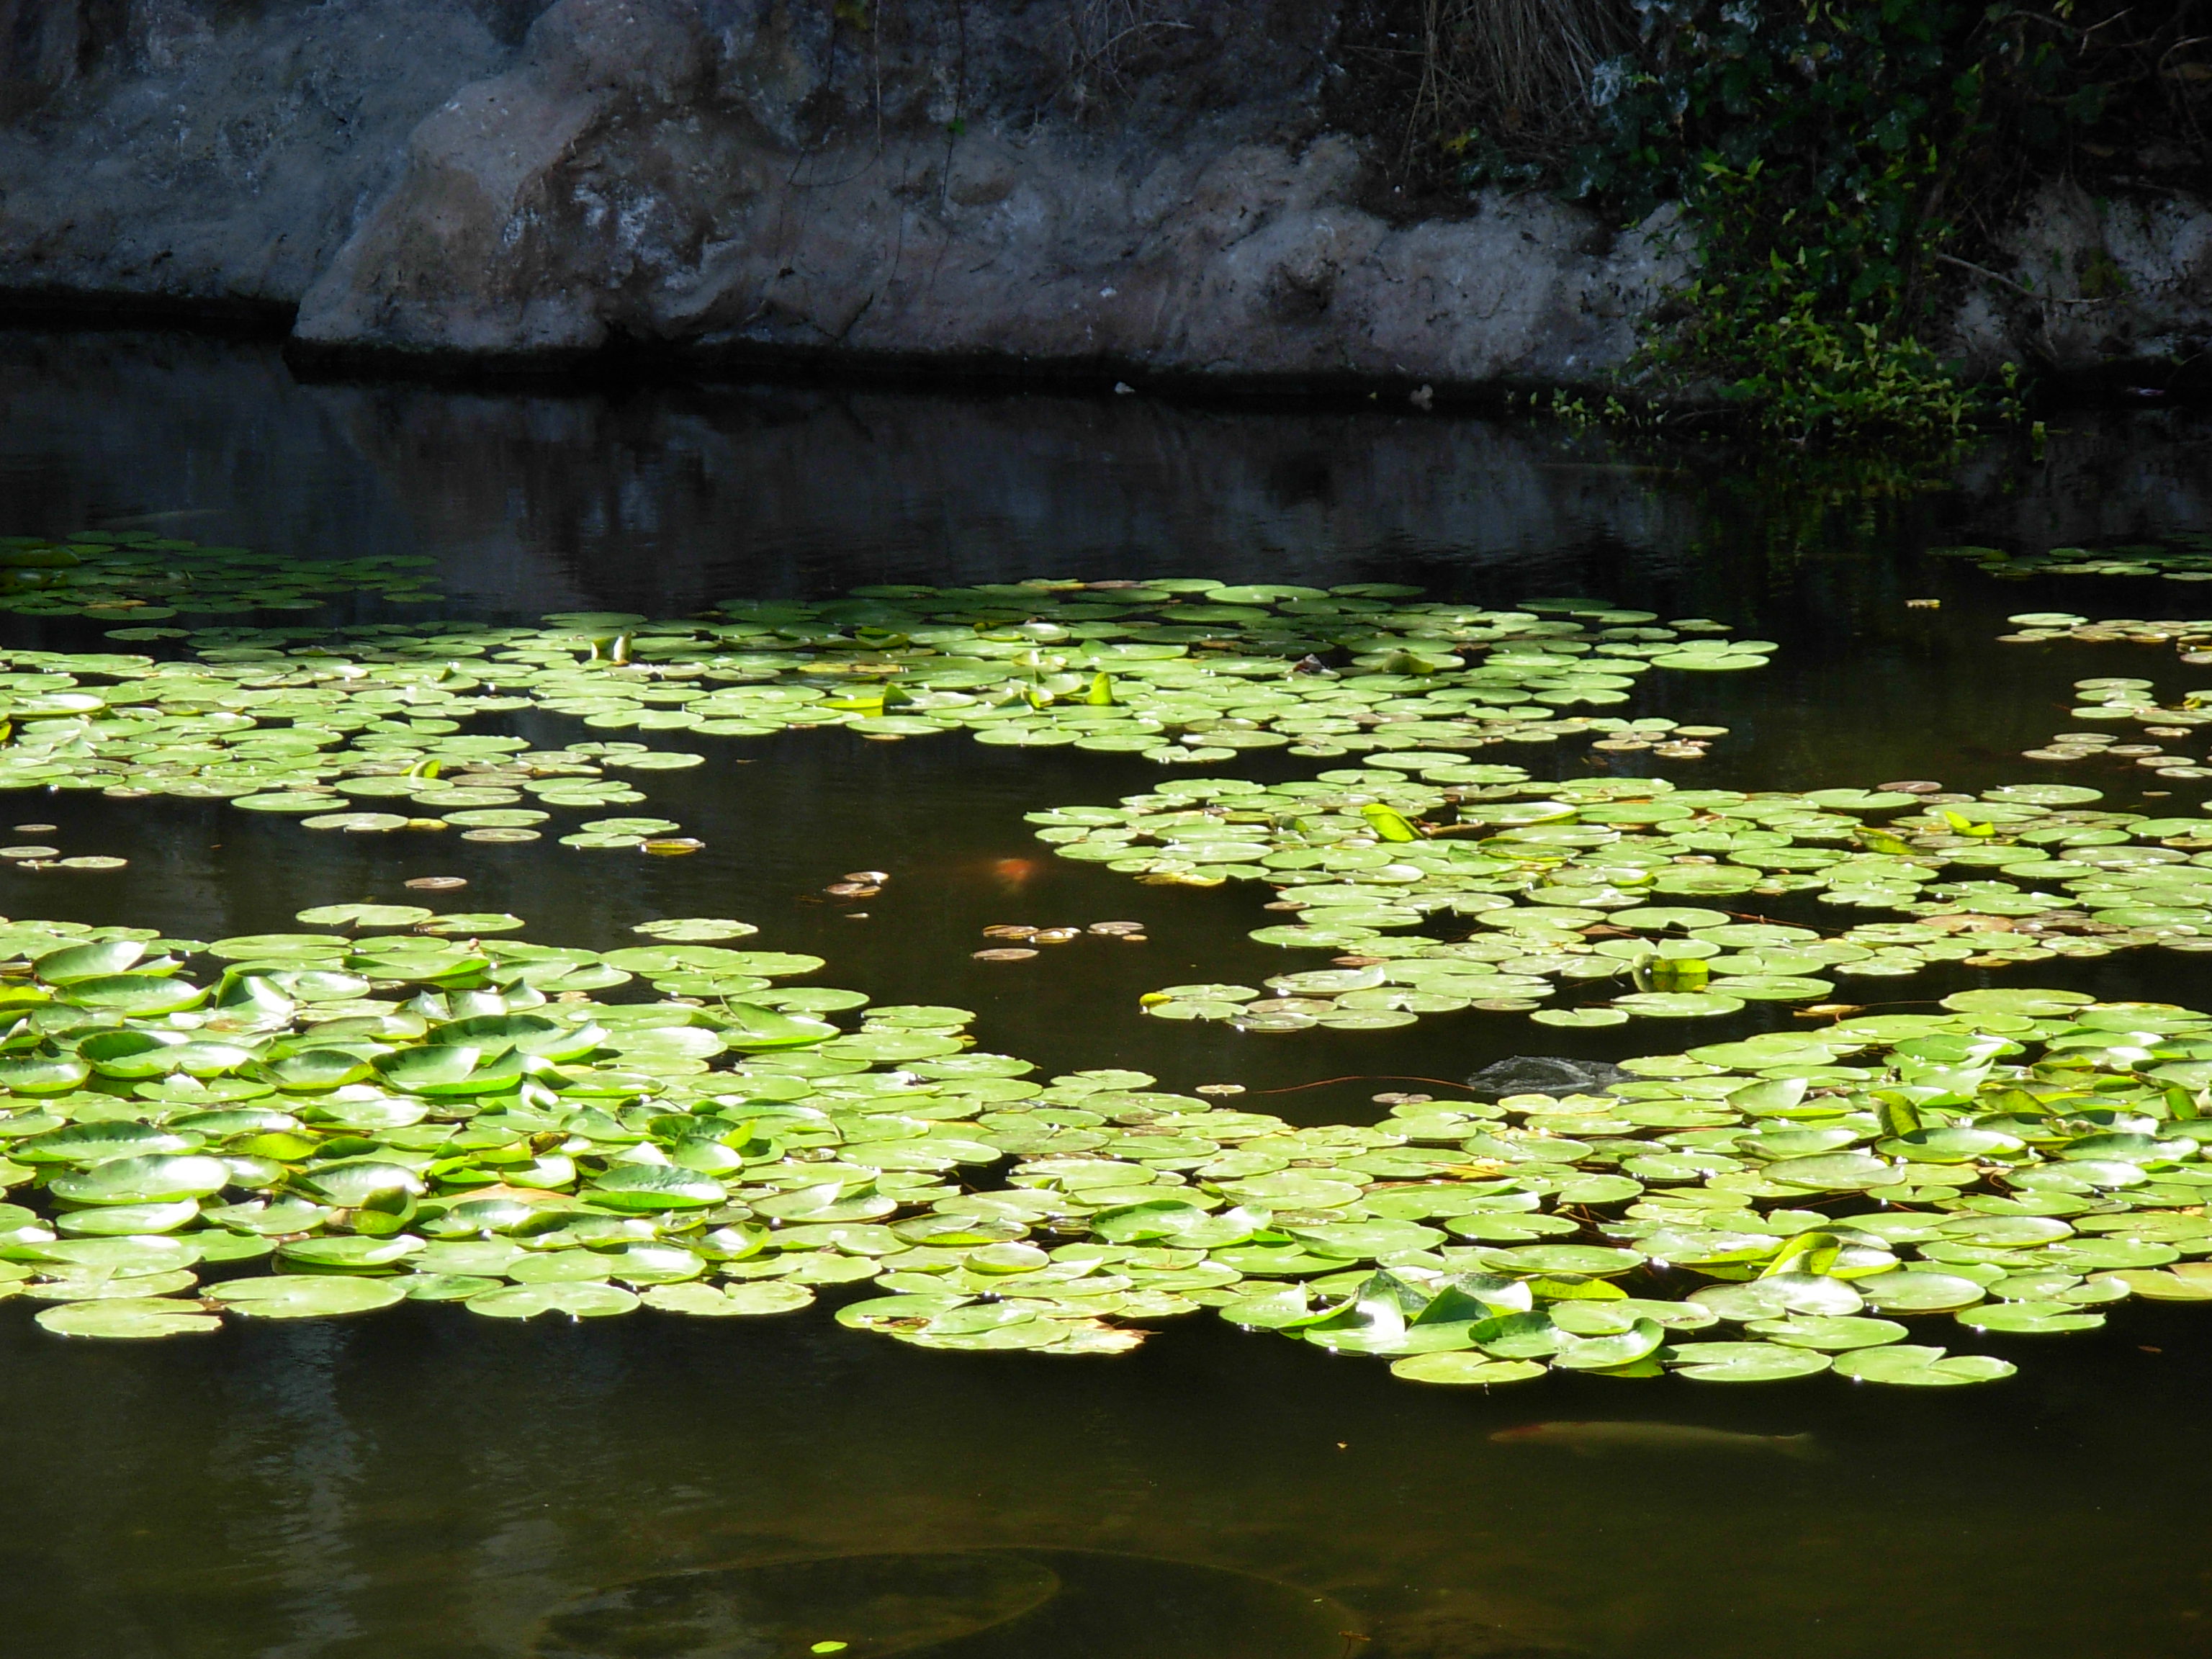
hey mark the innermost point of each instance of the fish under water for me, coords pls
(1589, 1439)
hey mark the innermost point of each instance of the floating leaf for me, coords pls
(1463, 1369)
(1921, 1367)
(576, 1299)
(305, 1296)
(128, 1319)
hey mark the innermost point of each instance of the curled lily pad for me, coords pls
(128, 1219)
(39, 1075)
(361, 1183)
(1608, 1352)
(154, 1179)
(86, 961)
(443, 1286)
(656, 1187)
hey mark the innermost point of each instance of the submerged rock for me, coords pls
(1545, 1075)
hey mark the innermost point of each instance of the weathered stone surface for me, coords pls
(641, 177)
(994, 190)
(2117, 290)
(185, 152)
(1144, 191)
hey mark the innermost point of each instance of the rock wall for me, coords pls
(1144, 191)
(211, 156)
(2100, 290)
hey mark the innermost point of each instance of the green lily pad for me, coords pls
(647, 1187)
(1830, 1335)
(305, 1296)
(2029, 1004)
(1908, 1291)
(2030, 1318)
(1461, 1370)
(1747, 1362)
(443, 1286)
(1609, 1352)
(1832, 1172)
(1911, 1366)
(577, 1299)
(1592, 1260)
(128, 1319)
(770, 1297)
(694, 930)
(1679, 1005)
(157, 1179)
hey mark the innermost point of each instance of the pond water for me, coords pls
(425, 1482)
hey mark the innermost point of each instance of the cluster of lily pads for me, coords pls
(403, 1106)
(1651, 901)
(135, 576)
(2036, 626)
(2186, 557)
(326, 739)
(2192, 637)
(344, 727)
(1193, 670)
(2127, 699)
(2124, 698)
(407, 1105)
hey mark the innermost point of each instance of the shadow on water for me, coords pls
(651, 1488)
(965, 1604)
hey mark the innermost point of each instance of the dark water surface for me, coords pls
(427, 1483)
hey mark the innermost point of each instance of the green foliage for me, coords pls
(1829, 154)
(1802, 376)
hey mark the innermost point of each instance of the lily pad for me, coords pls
(129, 1320)
(1911, 1366)
(305, 1296)
(577, 1299)
(1747, 1362)
(1463, 1369)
